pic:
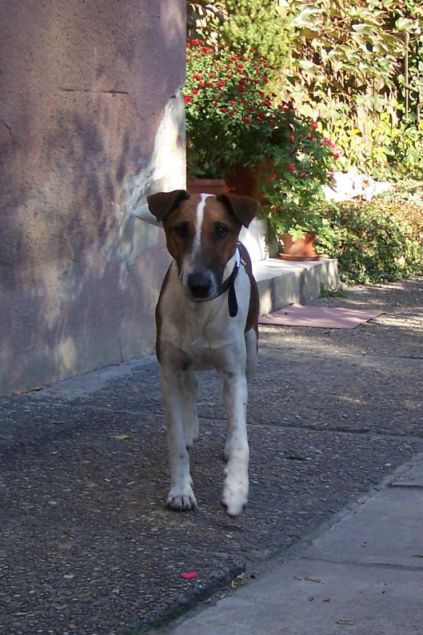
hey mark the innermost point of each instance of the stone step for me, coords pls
(281, 282)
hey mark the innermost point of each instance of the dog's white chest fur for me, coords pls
(202, 332)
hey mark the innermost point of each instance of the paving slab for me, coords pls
(386, 529)
(318, 598)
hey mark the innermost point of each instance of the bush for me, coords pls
(372, 245)
(406, 203)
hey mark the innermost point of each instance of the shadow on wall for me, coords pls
(79, 276)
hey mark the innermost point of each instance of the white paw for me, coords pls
(181, 501)
(235, 496)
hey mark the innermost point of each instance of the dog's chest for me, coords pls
(201, 332)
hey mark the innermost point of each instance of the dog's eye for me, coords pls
(221, 230)
(181, 230)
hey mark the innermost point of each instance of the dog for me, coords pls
(206, 317)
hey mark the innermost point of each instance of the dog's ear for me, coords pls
(243, 207)
(162, 203)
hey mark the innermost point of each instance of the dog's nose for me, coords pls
(199, 285)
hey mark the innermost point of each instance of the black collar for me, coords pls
(229, 285)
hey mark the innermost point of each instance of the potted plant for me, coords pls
(237, 133)
(229, 114)
(302, 162)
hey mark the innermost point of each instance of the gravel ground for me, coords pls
(86, 543)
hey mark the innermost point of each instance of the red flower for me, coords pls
(187, 99)
(194, 91)
(223, 109)
(197, 76)
(201, 84)
(220, 83)
(246, 120)
(291, 167)
(314, 125)
(335, 155)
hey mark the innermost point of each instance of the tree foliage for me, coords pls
(342, 61)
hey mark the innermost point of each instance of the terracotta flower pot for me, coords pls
(243, 180)
(249, 181)
(300, 249)
(207, 186)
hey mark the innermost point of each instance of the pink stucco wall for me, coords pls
(85, 89)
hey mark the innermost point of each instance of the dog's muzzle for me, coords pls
(200, 285)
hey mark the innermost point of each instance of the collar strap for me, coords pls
(229, 285)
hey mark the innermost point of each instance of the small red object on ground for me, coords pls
(189, 575)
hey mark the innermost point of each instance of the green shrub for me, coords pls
(371, 244)
(406, 203)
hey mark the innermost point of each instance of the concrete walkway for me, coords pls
(363, 575)
(88, 548)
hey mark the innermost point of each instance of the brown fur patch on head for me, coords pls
(163, 203)
(179, 226)
(219, 235)
(243, 208)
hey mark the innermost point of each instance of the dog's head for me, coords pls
(201, 235)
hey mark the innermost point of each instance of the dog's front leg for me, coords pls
(181, 497)
(190, 416)
(235, 488)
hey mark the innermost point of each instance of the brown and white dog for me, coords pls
(206, 317)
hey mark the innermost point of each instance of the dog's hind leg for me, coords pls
(235, 488)
(190, 415)
(251, 348)
(181, 496)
